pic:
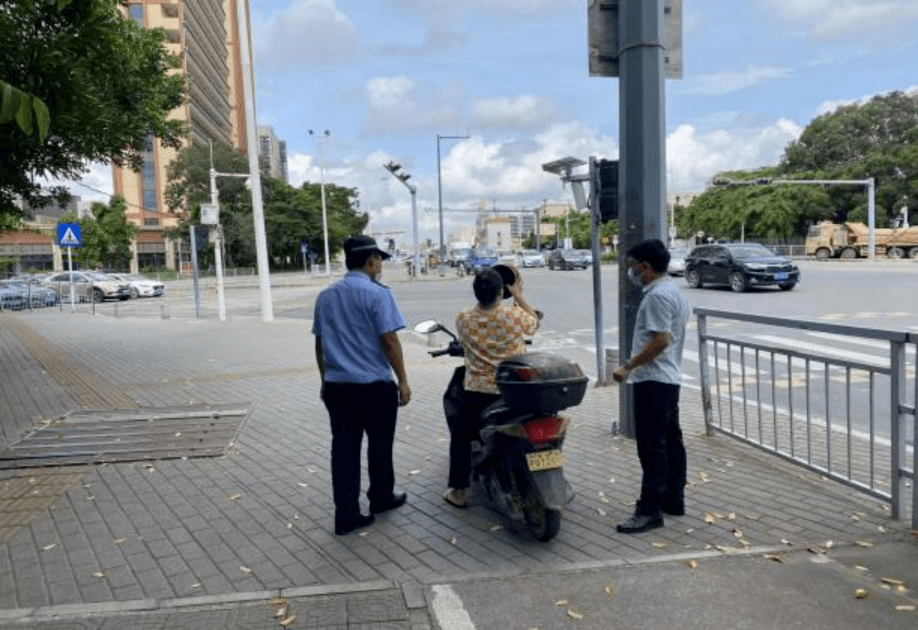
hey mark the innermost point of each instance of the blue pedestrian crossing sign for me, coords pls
(68, 235)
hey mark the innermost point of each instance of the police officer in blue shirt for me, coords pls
(357, 349)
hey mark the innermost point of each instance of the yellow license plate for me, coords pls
(545, 460)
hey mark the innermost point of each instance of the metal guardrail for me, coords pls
(804, 406)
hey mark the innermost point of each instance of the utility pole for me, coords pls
(251, 135)
(442, 254)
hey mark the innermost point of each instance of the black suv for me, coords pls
(741, 265)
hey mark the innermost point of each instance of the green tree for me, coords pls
(292, 215)
(103, 80)
(106, 236)
(581, 230)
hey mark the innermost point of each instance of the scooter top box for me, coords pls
(541, 381)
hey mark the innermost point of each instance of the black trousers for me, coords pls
(660, 446)
(461, 433)
(355, 409)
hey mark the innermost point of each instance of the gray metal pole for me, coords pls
(251, 135)
(218, 246)
(415, 236)
(597, 275)
(871, 220)
(642, 159)
(194, 274)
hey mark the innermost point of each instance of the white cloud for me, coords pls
(397, 104)
(722, 83)
(518, 112)
(845, 19)
(693, 157)
(313, 32)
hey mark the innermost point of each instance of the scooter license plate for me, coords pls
(545, 460)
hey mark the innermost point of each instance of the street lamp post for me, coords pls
(321, 141)
(395, 169)
(440, 200)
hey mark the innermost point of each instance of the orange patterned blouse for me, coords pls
(488, 338)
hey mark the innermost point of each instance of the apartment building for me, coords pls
(272, 154)
(204, 35)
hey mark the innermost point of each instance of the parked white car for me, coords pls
(140, 286)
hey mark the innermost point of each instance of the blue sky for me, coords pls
(386, 76)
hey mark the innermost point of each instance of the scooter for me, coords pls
(517, 458)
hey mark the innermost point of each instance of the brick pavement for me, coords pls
(259, 518)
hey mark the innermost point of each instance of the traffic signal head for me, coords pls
(608, 190)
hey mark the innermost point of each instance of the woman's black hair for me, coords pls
(487, 286)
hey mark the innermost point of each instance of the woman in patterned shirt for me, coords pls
(490, 333)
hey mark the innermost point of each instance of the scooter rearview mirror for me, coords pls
(427, 327)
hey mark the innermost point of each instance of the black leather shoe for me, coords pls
(360, 522)
(395, 501)
(673, 509)
(639, 523)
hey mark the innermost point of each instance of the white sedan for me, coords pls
(530, 258)
(140, 286)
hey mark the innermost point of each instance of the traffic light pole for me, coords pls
(642, 159)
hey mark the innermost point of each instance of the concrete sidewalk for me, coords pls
(213, 540)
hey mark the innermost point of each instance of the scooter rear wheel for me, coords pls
(544, 523)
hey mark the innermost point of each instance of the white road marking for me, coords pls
(448, 609)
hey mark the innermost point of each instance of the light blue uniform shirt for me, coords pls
(350, 316)
(663, 309)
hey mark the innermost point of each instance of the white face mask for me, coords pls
(634, 278)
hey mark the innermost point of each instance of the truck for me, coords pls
(827, 240)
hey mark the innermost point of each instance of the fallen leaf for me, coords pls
(235, 497)
(862, 543)
(452, 540)
(118, 541)
(829, 544)
(363, 534)
(709, 518)
(611, 479)
(816, 550)
(288, 621)
(731, 516)
(302, 485)
(311, 470)
(704, 477)
(178, 434)
(574, 615)
(196, 585)
(660, 545)
(881, 529)
(562, 602)
(785, 541)
(693, 564)
(98, 574)
(601, 511)
(495, 528)
(49, 547)
(603, 500)
(751, 517)
(281, 612)
(414, 472)
(771, 556)
(277, 601)
(892, 581)
(860, 593)
(609, 589)
(906, 607)
(860, 568)
(737, 532)
(245, 570)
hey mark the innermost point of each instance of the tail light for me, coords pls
(544, 429)
(527, 373)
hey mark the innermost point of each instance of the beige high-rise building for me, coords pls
(204, 35)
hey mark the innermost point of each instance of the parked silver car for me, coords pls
(88, 286)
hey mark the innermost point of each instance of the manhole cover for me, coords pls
(126, 435)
